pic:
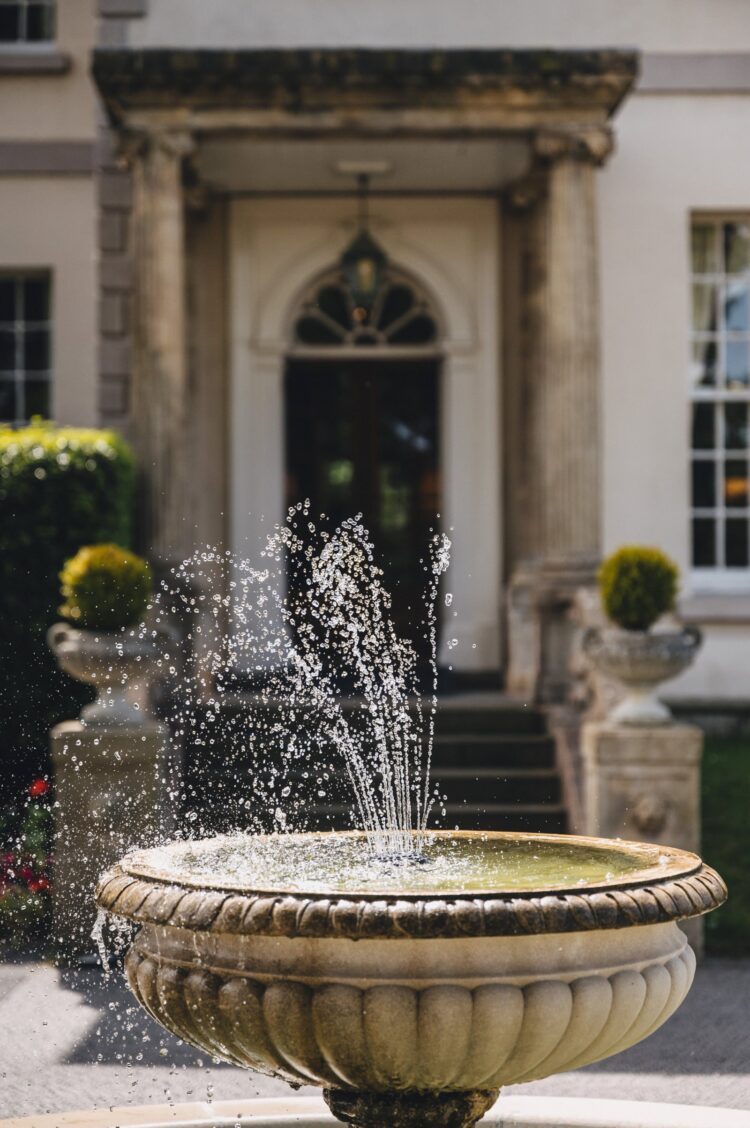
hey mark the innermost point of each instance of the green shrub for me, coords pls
(638, 585)
(105, 587)
(60, 487)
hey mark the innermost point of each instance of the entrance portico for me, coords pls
(489, 204)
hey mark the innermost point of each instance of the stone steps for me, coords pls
(549, 818)
(542, 818)
(494, 751)
(495, 764)
(493, 760)
(503, 786)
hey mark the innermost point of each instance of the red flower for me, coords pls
(38, 787)
(39, 886)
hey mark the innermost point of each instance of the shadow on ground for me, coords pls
(123, 1029)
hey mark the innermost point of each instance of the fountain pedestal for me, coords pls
(410, 1109)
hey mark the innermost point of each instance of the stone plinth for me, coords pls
(645, 784)
(112, 788)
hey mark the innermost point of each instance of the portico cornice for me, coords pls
(362, 92)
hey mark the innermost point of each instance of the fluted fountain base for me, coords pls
(409, 1109)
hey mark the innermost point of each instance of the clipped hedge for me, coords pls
(60, 488)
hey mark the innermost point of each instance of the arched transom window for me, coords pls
(399, 315)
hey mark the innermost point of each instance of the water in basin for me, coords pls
(447, 863)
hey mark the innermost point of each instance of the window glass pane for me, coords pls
(7, 401)
(736, 306)
(313, 331)
(703, 368)
(704, 542)
(7, 350)
(40, 22)
(704, 484)
(703, 426)
(10, 23)
(735, 483)
(37, 397)
(704, 307)
(735, 426)
(398, 301)
(36, 350)
(736, 247)
(704, 248)
(331, 301)
(420, 330)
(736, 542)
(7, 299)
(738, 373)
(36, 299)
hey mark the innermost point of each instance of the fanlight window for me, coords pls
(399, 315)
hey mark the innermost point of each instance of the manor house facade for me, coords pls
(479, 265)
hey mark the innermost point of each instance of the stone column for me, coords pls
(161, 385)
(559, 473)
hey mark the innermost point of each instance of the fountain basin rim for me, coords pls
(683, 886)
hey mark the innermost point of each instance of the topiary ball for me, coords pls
(105, 588)
(638, 585)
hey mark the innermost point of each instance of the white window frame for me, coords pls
(719, 577)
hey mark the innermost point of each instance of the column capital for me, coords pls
(137, 144)
(592, 144)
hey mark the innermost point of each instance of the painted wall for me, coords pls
(654, 25)
(50, 221)
(675, 155)
(53, 228)
(55, 107)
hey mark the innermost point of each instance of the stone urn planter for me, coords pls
(641, 661)
(119, 664)
(411, 1004)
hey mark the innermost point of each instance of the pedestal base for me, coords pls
(112, 794)
(409, 1109)
(643, 782)
(541, 631)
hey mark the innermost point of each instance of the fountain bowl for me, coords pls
(411, 999)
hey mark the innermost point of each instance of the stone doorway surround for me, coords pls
(276, 248)
(168, 105)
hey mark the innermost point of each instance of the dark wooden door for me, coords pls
(362, 436)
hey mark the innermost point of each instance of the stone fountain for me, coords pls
(408, 972)
(410, 998)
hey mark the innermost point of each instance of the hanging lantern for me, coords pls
(363, 262)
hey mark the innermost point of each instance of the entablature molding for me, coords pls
(362, 92)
